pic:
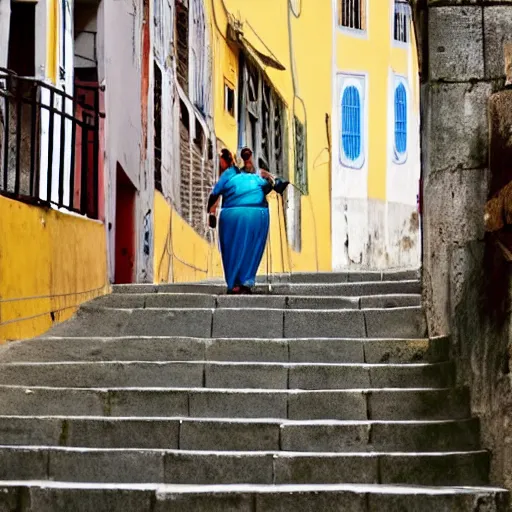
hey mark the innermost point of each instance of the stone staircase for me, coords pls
(321, 393)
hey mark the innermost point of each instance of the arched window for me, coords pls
(400, 122)
(351, 125)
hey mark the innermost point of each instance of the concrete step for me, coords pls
(342, 277)
(389, 404)
(299, 350)
(198, 300)
(220, 467)
(360, 289)
(246, 323)
(231, 375)
(242, 434)
(47, 496)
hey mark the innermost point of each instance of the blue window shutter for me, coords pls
(351, 123)
(400, 119)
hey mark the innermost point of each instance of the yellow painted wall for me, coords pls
(50, 262)
(52, 40)
(375, 54)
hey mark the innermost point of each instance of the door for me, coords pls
(125, 229)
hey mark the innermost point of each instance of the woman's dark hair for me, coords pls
(246, 153)
(226, 155)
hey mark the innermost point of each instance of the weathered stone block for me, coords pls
(329, 377)
(497, 31)
(344, 405)
(248, 323)
(326, 350)
(256, 350)
(106, 466)
(333, 469)
(246, 376)
(325, 438)
(327, 501)
(226, 404)
(23, 463)
(48, 499)
(399, 322)
(323, 324)
(430, 404)
(233, 435)
(456, 206)
(458, 129)
(470, 468)
(150, 403)
(456, 50)
(122, 433)
(218, 468)
(205, 501)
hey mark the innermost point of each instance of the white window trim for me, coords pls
(353, 32)
(360, 82)
(398, 158)
(394, 42)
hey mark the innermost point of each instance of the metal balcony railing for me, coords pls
(50, 143)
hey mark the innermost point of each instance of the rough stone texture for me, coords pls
(456, 43)
(255, 350)
(324, 324)
(418, 404)
(459, 132)
(79, 465)
(465, 279)
(497, 31)
(256, 376)
(211, 468)
(223, 435)
(322, 405)
(435, 469)
(238, 405)
(211, 502)
(249, 323)
(311, 502)
(396, 322)
(82, 500)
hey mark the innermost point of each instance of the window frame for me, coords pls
(401, 158)
(360, 83)
(356, 32)
(396, 42)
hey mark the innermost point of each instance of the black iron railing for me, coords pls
(50, 143)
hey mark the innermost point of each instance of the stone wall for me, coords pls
(465, 276)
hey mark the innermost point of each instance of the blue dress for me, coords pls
(243, 225)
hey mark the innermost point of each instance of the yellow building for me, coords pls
(52, 257)
(286, 76)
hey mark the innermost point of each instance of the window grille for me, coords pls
(351, 123)
(353, 14)
(402, 21)
(400, 120)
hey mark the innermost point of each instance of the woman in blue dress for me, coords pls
(243, 223)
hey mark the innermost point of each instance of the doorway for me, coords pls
(125, 228)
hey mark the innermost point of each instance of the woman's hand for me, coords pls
(266, 175)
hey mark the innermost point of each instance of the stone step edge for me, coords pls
(240, 453)
(356, 300)
(258, 364)
(260, 289)
(239, 421)
(239, 391)
(257, 488)
(93, 309)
